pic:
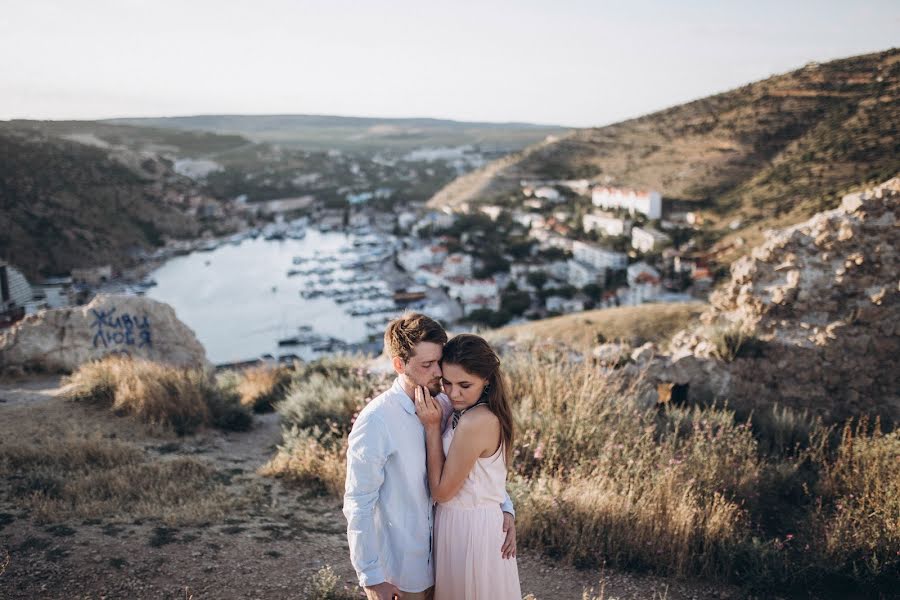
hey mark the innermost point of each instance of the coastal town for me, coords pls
(560, 246)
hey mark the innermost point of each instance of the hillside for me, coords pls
(320, 132)
(633, 324)
(770, 153)
(65, 204)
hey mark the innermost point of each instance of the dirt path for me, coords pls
(268, 549)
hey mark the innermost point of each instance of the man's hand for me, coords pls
(508, 549)
(383, 591)
(428, 409)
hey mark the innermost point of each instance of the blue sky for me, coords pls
(562, 62)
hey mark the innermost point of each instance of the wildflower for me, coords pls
(539, 451)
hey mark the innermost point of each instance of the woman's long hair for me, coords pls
(476, 357)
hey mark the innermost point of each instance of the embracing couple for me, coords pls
(441, 434)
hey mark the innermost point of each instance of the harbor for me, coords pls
(294, 293)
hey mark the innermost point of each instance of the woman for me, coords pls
(467, 474)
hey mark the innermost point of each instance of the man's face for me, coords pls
(424, 366)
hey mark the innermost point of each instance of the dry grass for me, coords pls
(260, 387)
(158, 394)
(857, 514)
(634, 324)
(769, 500)
(61, 465)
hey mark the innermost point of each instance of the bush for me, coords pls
(488, 318)
(182, 399)
(731, 342)
(323, 585)
(317, 415)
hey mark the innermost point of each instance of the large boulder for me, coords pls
(63, 339)
(813, 314)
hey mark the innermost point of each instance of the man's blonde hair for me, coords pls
(404, 332)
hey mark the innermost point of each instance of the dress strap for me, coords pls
(459, 413)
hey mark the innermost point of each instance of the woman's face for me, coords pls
(461, 387)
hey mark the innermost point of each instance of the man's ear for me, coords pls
(399, 367)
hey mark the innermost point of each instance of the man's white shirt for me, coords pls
(387, 504)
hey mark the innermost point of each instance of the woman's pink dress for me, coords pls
(468, 534)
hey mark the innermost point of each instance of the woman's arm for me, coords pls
(475, 434)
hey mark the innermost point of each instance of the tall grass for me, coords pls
(182, 399)
(770, 499)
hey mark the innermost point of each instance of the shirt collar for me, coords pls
(405, 401)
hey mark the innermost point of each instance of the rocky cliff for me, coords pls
(813, 314)
(809, 320)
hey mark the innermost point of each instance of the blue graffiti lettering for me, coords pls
(119, 330)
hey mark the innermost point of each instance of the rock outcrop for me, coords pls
(813, 314)
(810, 320)
(63, 339)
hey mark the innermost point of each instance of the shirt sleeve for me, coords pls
(507, 505)
(367, 452)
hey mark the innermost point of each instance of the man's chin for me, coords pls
(434, 391)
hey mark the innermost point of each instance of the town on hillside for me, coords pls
(558, 247)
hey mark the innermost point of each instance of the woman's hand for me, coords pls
(428, 409)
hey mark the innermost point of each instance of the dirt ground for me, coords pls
(268, 548)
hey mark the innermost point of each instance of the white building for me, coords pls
(527, 219)
(14, 288)
(597, 257)
(51, 296)
(406, 219)
(468, 290)
(639, 294)
(491, 210)
(435, 219)
(479, 302)
(429, 275)
(551, 239)
(644, 201)
(580, 274)
(547, 193)
(646, 239)
(563, 305)
(458, 265)
(606, 223)
(414, 258)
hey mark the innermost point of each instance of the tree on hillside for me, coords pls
(537, 279)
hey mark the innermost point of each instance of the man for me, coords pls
(386, 500)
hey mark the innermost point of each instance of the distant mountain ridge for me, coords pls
(768, 154)
(324, 132)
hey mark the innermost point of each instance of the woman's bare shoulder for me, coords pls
(479, 418)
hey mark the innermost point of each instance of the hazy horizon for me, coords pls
(571, 64)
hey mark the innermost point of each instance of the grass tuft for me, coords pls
(179, 398)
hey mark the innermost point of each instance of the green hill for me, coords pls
(320, 132)
(65, 204)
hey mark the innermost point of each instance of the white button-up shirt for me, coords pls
(386, 498)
